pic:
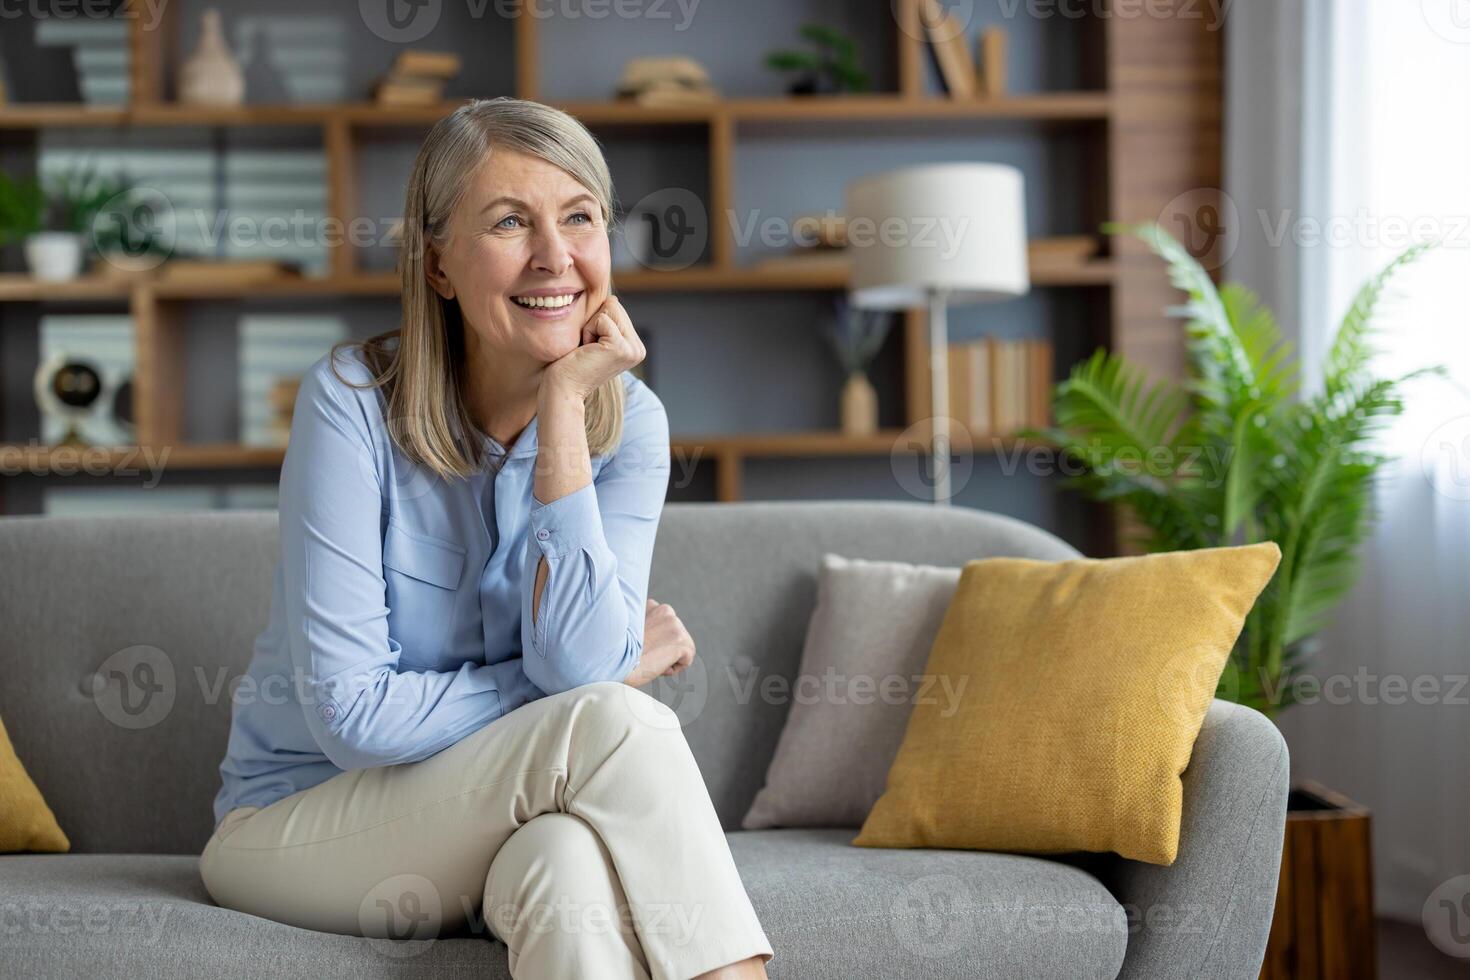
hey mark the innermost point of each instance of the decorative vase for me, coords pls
(54, 256)
(859, 406)
(1323, 928)
(212, 75)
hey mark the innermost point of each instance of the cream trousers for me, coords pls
(577, 828)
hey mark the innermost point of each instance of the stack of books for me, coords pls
(966, 76)
(417, 78)
(998, 386)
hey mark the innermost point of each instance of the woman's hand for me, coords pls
(610, 346)
(667, 646)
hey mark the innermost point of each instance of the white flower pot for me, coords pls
(54, 256)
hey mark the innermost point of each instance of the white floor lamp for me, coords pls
(941, 234)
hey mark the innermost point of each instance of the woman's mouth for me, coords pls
(547, 307)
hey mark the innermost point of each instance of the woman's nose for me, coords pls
(550, 253)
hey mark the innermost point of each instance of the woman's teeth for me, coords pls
(546, 302)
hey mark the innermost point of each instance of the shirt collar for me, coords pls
(525, 444)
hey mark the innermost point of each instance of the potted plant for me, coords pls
(50, 218)
(829, 69)
(128, 232)
(1233, 456)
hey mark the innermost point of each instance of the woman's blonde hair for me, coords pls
(420, 374)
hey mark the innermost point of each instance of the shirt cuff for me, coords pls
(514, 687)
(567, 523)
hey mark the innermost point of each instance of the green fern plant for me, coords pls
(1233, 456)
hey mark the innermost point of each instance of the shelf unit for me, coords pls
(1156, 119)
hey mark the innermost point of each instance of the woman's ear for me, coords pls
(434, 272)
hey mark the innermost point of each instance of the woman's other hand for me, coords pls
(667, 646)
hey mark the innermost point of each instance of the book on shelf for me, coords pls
(443, 65)
(834, 260)
(999, 385)
(408, 90)
(417, 78)
(215, 271)
(951, 49)
(991, 48)
(1061, 250)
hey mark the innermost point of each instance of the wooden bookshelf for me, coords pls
(16, 287)
(726, 452)
(1041, 107)
(1153, 116)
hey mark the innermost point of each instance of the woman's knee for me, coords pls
(552, 860)
(622, 709)
(559, 838)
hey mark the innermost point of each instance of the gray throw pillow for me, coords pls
(867, 643)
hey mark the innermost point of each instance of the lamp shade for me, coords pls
(955, 228)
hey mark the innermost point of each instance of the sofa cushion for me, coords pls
(861, 670)
(26, 822)
(1088, 682)
(830, 909)
(148, 915)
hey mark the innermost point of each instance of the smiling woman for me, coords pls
(468, 511)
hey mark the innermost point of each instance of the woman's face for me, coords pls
(524, 228)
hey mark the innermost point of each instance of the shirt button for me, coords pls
(328, 712)
(543, 534)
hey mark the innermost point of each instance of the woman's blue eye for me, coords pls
(502, 221)
(582, 214)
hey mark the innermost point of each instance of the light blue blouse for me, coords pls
(400, 615)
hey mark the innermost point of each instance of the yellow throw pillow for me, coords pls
(1088, 683)
(26, 822)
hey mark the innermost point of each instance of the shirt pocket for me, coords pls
(422, 573)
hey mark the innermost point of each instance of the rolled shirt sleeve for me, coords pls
(598, 545)
(361, 711)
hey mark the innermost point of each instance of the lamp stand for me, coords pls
(939, 393)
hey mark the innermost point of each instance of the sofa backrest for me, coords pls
(128, 759)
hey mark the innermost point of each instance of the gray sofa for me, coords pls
(132, 787)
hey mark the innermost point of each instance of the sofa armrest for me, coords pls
(1209, 913)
